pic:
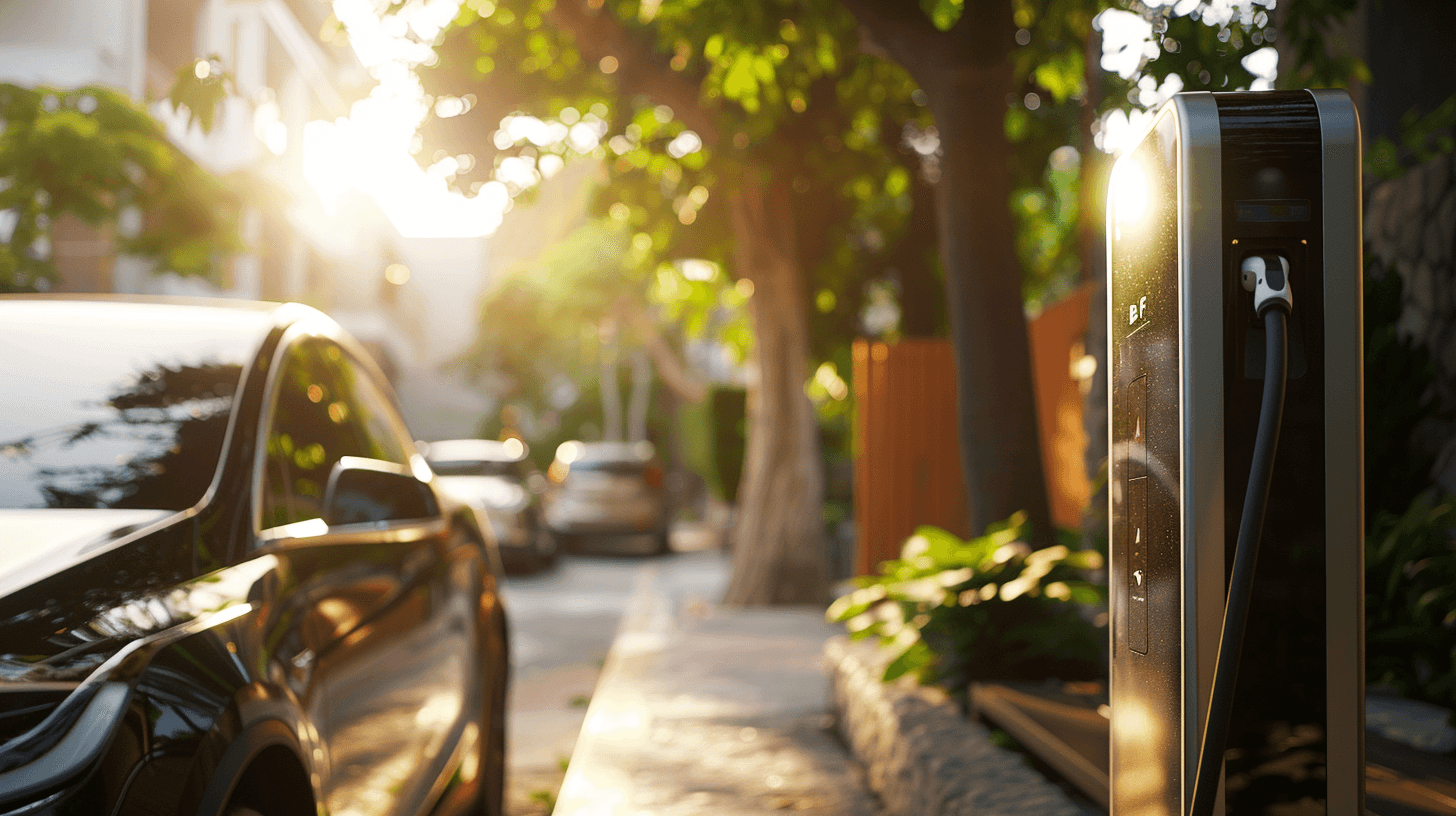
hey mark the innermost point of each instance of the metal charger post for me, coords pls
(1225, 190)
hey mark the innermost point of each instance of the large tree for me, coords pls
(747, 78)
(779, 111)
(965, 71)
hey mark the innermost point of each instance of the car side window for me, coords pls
(382, 430)
(327, 407)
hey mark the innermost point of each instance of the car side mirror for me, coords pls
(364, 491)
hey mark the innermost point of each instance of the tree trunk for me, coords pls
(1000, 442)
(641, 392)
(779, 556)
(966, 75)
(920, 308)
(611, 392)
(1093, 205)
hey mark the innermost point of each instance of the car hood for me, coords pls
(65, 570)
(54, 538)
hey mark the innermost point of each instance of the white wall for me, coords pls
(69, 43)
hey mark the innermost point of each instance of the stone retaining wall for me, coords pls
(1410, 228)
(921, 757)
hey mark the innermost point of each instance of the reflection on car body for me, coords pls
(227, 579)
(500, 484)
(609, 492)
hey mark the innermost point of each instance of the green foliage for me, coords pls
(581, 420)
(1410, 601)
(1047, 242)
(92, 154)
(987, 608)
(1399, 394)
(1422, 138)
(1319, 58)
(199, 88)
(785, 93)
(1410, 560)
(728, 420)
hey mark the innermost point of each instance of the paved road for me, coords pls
(562, 625)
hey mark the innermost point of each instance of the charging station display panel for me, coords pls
(1144, 462)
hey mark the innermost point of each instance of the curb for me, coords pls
(711, 711)
(592, 783)
(920, 755)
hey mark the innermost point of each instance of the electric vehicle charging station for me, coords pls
(1229, 199)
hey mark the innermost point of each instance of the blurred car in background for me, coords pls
(609, 493)
(504, 489)
(229, 583)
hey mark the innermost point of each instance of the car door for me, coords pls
(385, 636)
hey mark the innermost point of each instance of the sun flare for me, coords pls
(369, 152)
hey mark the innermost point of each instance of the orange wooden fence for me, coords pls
(907, 452)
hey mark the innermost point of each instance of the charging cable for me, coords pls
(1267, 276)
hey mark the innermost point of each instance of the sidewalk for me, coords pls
(707, 710)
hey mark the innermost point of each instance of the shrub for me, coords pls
(989, 608)
(1410, 602)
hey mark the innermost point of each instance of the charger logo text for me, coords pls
(1135, 310)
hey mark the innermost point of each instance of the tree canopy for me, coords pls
(92, 154)
(815, 135)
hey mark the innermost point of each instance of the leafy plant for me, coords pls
(980, 609)
(96, 156)
(1422, 137)
(1399, 395)
(1410, 601)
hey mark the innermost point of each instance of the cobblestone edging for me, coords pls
(920, 755)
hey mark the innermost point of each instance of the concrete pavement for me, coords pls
(563, 622)
(702, 709)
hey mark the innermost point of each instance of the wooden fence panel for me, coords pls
(906, 444)
(907, 459)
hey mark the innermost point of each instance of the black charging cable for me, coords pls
(1267, 276)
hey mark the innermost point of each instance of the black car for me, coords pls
(504, 488)
(228, 584)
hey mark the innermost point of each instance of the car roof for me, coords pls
(243, 322)
(614, 452)
(472, 450)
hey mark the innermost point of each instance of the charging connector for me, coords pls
(1267, 276)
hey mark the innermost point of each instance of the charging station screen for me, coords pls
(1144, 578)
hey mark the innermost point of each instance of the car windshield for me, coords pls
(476, 468)
(105, 412)
(616, 466)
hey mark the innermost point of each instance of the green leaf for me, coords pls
(1062, 75)
(741, 81)
(897, 181)
(913, 659)
(713, 48)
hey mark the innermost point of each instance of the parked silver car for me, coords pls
(499, 483)
(609, 492)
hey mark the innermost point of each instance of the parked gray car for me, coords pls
(499, 483)
(610, 493)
